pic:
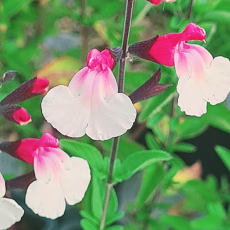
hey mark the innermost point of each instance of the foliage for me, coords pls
(43, 38)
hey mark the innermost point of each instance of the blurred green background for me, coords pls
(51, 39)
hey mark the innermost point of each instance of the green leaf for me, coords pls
(224, 155)
(217, 16)
(184, 147)
(148, 186)
(218, 117)
(85, 151)
(199, 195)
(115, 227)
(140, 160)
(191, 127)
(209, 222)
(87, 225)
(176, 222)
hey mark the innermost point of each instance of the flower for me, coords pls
(30, 88)
(91, 103)
(157, 2)
(202, 79)
(59, 178)
(10, 211)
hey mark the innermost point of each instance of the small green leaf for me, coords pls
(191, 127)
(87, 225)
(218, 117)
(115, 227)
(209, 222)
(224, 155)
(148, 186)
(176, 222)
(140, 160)
(184, 147)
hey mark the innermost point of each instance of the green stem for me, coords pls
(121, 77)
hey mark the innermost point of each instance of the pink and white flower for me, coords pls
(10, 211)
(157, 2)
(202, 79)
(91, 103)
(30, 88)
(59, 178)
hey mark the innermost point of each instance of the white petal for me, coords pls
(76, 180)
(10, 212)
(2, 186)
(66, 112)
(46, 199)
(111, 118)
(190, 97)
(216, 84)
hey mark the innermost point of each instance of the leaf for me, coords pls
(184, 147)
(176, 222)
(191, 127)
(224, 155)
(87, 225)
(218, 117)
(140, 160)
(157, 172)
(59, 71)
(85, 151)
(209, 222)
(219, 16)
(115, 227)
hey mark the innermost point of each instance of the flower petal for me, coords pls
(111, 118)
(2, 186)
(76, 180)
(10, 212)
(216, 84)
(190, 97)
(65, 112)
(46, 199)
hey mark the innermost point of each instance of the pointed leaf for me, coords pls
(224, 155)
(140, 160)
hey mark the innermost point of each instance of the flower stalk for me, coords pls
(121, 76)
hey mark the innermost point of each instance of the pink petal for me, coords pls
(163, 49)
(191, 61)
(47, 140)
(216, 85)
(190, 97)
(46, 199)
(193, 32)
(10, 212)
(44, 168)
(77, 83)
(2, 186)
(155, 2)
(76, 180)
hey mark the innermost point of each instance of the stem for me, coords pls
(84, 34)
(128, 16)
(189, 13)
(121, 77)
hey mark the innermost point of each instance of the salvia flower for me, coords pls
(30, 88)
(202, 79)
(157, 2)
(59, 178)
(91, 103)
(10, 211)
